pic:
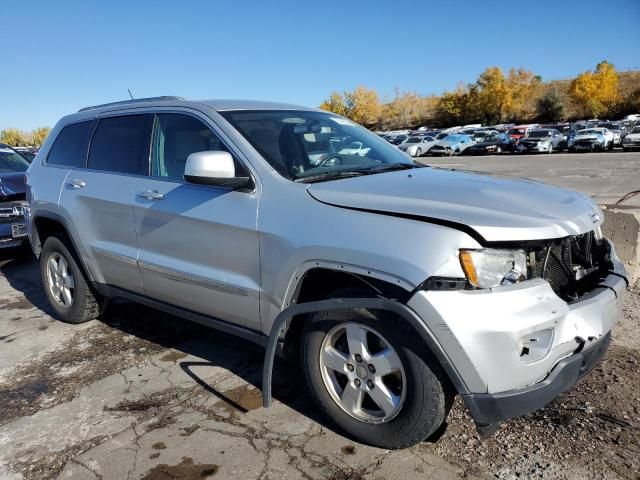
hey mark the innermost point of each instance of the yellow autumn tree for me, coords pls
(13, 137)
(39, 135)
(335, 104)
(406, 109)
(363, 106)
(523, 87)
(493, 95)
(596, 92)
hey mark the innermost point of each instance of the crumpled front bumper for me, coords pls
(483, 333)
(12, 224)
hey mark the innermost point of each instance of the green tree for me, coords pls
(13, 137)
(596, 92)
(550, 107)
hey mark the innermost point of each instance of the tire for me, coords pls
(80, 304)
(425, 395)
(571, 150)
(550, 148)
(499, 150)
(418, 153)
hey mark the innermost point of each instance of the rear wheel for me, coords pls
(64, 283)
(373, 377)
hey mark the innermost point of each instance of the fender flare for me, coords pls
(398, 308)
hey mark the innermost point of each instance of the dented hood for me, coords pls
(12, 186)
(497, 208)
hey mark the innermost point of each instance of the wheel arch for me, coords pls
(45, 224)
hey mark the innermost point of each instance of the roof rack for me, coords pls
(127, 102)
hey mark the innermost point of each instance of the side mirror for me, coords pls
(215, 168)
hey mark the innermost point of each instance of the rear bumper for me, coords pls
(488, 408)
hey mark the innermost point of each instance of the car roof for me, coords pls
(216, 104)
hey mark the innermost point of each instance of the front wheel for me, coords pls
(418, 153)
(373, 377)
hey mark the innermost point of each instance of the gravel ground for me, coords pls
(591, 432)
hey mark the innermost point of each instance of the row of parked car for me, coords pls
(589, 135)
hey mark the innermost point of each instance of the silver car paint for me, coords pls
(297, 229)
(498, 208)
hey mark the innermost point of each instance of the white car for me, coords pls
(632, 140)
(355, 148)
(417, 146)
(592, 139)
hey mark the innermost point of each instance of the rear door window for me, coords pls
(70, 147)
(121, 144)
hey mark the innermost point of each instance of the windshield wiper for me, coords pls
(390, 167)
(355, 172)
(319, 177)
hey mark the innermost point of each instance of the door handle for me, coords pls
(151, 195)
(77, 183)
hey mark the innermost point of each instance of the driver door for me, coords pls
(198, 244)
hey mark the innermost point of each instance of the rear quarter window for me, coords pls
(70, 147)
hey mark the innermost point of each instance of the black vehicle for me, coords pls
(12, 197)
(397, 139)
(492, 144)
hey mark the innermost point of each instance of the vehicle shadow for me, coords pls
(213, 349)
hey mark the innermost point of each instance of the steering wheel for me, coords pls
(326, 159)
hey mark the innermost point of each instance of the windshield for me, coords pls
(636, 130)
(11, 161)
(539, 134)
(287, 138)
(516, 131)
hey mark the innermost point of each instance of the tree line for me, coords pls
(21, 138)
(496, 97)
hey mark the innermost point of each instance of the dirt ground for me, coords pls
(140, 394)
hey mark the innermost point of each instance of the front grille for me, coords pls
(572, 265)
(10, 213)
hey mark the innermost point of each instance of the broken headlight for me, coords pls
(489, 268)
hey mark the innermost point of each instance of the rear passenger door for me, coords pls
(198, 244)
(98, 198)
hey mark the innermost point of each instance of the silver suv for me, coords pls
(394, 285)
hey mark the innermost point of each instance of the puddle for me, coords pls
(348, 450)
(173, 356)
(27, 393)
(245, 397)
(18, 304)
(185, 470)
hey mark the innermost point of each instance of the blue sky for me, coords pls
(60, 56)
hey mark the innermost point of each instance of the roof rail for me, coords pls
(127, 102)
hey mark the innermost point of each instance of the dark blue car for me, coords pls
(12, 197)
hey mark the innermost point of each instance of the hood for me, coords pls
(406, 146)
(633, 136)
(12, 187)
(499, 209)
(446, 143)
(590, 136)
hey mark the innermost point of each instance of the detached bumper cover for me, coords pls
(491, 408)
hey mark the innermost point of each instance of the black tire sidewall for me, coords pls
(425, 404)
(73, 314)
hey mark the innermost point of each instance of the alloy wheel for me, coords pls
(363, 373)
(60, 280)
